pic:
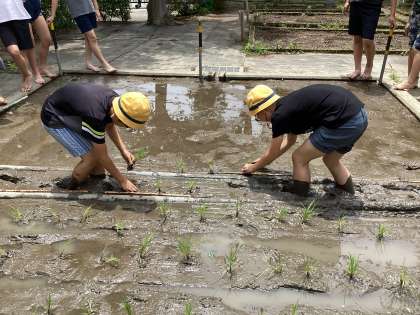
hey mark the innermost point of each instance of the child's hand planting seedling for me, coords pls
(352, 266)
(202, 210)
(184, 248)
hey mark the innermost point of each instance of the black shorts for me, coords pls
(86, 22)
(34, 8)
(16, 33)
(364, 17)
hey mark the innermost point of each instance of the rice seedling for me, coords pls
(202, 210)
(2, 252)
(144, 246)
(210, 165)
(308, 212)
(382, 232)
(141, 153)
(238, 207)
(89, 309)
(192, 186)
(308, 267)
(393, 74)
(404, 278)
(16, 215)
(276, 263)
(352, 266)
(158, 185)
(180, 165)
(281, 214)
(49, 305)
(294, 309)
(86, 214)
(164, 211)
(112, 261)
(54, 214)
(261, 311)
(119, 228)
(188, 309)
(231, 259)
(184, 248)
(126, 306)
(340, 224)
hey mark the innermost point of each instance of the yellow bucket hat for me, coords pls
(132, 108)
(259, 98)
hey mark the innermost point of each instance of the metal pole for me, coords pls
(200, 50)
(57, 54)
(388, 45)
(247, 11)
(241, 21)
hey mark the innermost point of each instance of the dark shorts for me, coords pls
(414, 31)
(16, 33)
(340, 139)
(86, 22)
(34, 8)
(364, 17)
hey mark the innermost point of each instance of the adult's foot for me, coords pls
(109, 69)
(353, 75)
(26, 85)
(405, 86)
(39, 79)
(47, 73)
(91, 67)
(2, 101)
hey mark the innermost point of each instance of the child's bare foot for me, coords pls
(353, 75)
(39, 79)
(2, 101)
(47, 73)
(405, 86)
(26, 85)
(367, 74)
(91, 67)
(109, 69)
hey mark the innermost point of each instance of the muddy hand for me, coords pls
(126, 185)
(248, 168)
(130, 166)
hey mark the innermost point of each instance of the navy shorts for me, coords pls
(340, 139)
(16, 33)
(364, 17)
(414, 31)
(34, 8)
(86, 22)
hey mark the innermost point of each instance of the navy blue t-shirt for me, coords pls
(84, 108)
(314, 106)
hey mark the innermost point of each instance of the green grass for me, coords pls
(180, 165)
(16, 215)
(258, 48)
(119, 228)
(404, 278)
(141, 153)
(185, 248)
(352, 266)
(188, 309)
(126, 306)
(381, 232)
(294, 309)
(293, 48)
(276, 263)
(281, 214)
(112, 261)
(341, 222)
(202, 210)
(308, 267)
(308, 212)
(231, 259)
(192, 186)
(144, 246)
(86, 214)
(164, 211)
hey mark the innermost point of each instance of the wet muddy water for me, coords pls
(47, 248)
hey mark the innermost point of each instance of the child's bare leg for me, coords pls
(88, 58)
(20, 62)
(369, 48)
(41, 28)
(92, 41)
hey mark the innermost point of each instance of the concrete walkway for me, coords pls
(137, 48)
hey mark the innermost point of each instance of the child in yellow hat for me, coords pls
(78, 115)
(334, 116)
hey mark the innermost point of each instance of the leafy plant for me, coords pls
(126, 306)
(276, 263)
(258, 48)
(340, 224)
(145, 245)
(293, 48)
(164, 211)
(16, 215)
(141, 153)
(210, 165)
(352, 266)
(112, 261)
(308, 267)
(382, 232)
(192, 186)
(185, 247)
(202, 210)
(180, 165)
(281, 214)
(294, 309)
(308, 212)
(404, 278)
(231, 258)
(119, 228)
(188, 309)
(86, 214)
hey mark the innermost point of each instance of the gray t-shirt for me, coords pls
(80, 7)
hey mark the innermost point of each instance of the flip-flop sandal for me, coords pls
(350, 77)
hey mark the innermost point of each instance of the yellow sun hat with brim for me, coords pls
(132, 108)
(259, 98)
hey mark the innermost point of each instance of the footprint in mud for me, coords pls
(9, 178)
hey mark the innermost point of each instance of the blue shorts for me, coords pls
(340, 139)
(86, 22)
(34, 8)
(414, 31)
(364, 17)
(71, 140)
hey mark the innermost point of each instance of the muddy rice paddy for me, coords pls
(84, 253)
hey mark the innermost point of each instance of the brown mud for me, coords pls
(84, 253)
